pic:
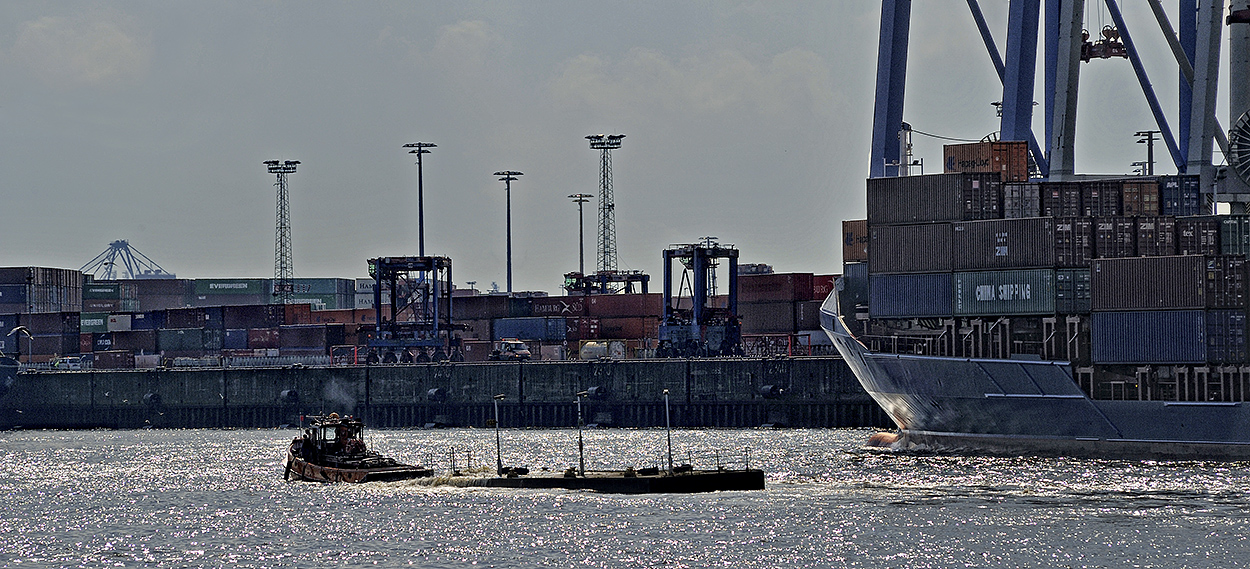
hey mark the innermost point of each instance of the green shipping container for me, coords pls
(232, 286)
(1235, 235)
(180, 340)
(1072, 291)
(93, 322)
(320, 287)
(1005, 293)
(101, 291)
(322, 301)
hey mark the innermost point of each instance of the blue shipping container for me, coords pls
(12, 294)
(556, 329)
(854, 284)
(7, 323)
(101, 341)
(214, 319)
(154, 320)
(525, 328)
(1226, 336)
(235, 340)
(1159, 337)
(1179, 195)
(910, 296)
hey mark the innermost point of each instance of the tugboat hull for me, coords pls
(300, 469)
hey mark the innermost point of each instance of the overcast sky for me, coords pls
(748, 121)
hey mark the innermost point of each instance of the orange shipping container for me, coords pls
(298, 314)
(629, 328)
(1010, 159)
(1141, 198)
(343, 316)
(855, 240)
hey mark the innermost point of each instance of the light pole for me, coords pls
(508, 177)
(668, 431)
(420, 148)
(498, 445)
(1148, 138)
(581, 449)
(581, 231)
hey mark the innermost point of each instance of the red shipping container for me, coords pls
(629, 328)
(807, 315)
(184, 318)
(787, 287)
(85, 343)
(559, 305)
(822, 285)
(482, 307)
(245, 316)
(583, 328)
(625, 305)
(366, 316)
(476, 351)
(114, 359)
(258, 338)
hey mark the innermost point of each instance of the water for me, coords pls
(209, 498)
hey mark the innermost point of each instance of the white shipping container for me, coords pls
(552, 352)
(365, 301)
(119, 323)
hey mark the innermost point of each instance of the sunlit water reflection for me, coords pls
(197, 498)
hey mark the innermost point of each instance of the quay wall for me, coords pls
(792, 392)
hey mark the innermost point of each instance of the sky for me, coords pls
(747, 121)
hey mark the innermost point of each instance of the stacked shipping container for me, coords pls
(1132, 253)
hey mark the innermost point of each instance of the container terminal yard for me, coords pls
(170, 352)
(1071, 256)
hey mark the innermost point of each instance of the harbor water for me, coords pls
(216, 498)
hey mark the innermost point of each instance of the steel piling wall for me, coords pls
(798, 392)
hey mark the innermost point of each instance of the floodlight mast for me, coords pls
(580, 199)
(420, 148)
(509, 176)
(283, 287)
(606, 143)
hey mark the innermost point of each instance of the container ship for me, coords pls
(1009, 305)
(1078, 331)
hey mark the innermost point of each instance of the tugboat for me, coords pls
(334, 450)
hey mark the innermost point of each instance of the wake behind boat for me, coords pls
(334, 450)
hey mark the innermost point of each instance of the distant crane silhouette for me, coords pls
(134, 265)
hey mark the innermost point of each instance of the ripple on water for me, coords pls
(207, 497)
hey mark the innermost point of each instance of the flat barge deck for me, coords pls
(618, 482)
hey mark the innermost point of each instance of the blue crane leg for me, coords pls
(887, 117)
